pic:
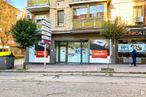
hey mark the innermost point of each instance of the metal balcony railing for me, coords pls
(87, 23)
(33, 3)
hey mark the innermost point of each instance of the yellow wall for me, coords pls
(124, 9)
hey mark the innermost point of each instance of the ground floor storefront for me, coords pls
(135, 38)
(91, 47)
(81, 48)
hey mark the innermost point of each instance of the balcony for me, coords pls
(73, 2)
(87, 23)
(37, 5)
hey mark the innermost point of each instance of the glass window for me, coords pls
(80, 13)
(137, 11)
(74, 51)
(85, 52)
(125, 47)
(97, 11)
(100, 10)
(60, 18)
(93, 11)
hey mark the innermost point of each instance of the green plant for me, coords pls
(113, 30)
(24, 33)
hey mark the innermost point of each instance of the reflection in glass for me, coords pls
(93, 11)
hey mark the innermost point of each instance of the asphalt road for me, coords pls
(45, 85)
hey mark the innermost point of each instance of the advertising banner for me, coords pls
(99, 53)
(129, 47)
(41, 53)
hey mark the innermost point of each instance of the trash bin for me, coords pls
(7, 61)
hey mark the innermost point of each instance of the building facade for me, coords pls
(76, 26)
(8, 18)
(133, 12)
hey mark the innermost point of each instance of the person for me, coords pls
(134, 54)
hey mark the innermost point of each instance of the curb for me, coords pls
(27, 71)
(83, 73)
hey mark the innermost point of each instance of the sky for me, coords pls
(20, 4)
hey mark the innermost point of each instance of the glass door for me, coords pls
(63, 54)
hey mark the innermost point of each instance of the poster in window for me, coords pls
(99, 51)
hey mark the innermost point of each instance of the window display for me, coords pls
(74, 52)
(99, 51)
(125, 47)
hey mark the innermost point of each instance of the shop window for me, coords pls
(125, 47)
(74, 51)
(85, 52)
(99, 51)
(60, 21)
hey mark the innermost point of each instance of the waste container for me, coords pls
(6, 60)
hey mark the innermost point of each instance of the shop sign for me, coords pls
(99, 53)
(137, 33)
(129, 47)
(41, 53)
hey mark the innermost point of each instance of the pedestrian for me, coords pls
(134, 55)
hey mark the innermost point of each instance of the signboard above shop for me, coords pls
(136, 31)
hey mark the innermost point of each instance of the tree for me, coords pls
(24, 34)
(113, 30)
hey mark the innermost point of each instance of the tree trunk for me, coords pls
(113, 56)
(24, 64)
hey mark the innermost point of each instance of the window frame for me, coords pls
(59, 23)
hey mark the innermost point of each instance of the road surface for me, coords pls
(45, 85)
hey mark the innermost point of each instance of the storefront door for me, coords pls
(72, 52)
(62, 54)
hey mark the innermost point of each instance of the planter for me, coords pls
(107, 70)
(7, 62)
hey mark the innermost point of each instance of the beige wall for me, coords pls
(63, 5)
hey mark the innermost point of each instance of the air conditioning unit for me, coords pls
(29, 16)
(139, 19)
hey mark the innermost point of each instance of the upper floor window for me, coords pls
(89, 12)
(80, 13)
(60, 15)
(138, 11)
(97, 11)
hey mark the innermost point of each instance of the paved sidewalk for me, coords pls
(78, 68)
(87, 68)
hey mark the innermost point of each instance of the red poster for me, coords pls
(41, 53)
(99, 53)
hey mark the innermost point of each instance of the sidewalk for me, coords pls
(78, 68)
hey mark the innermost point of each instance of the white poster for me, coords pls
(99, 51)
(129, 47)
